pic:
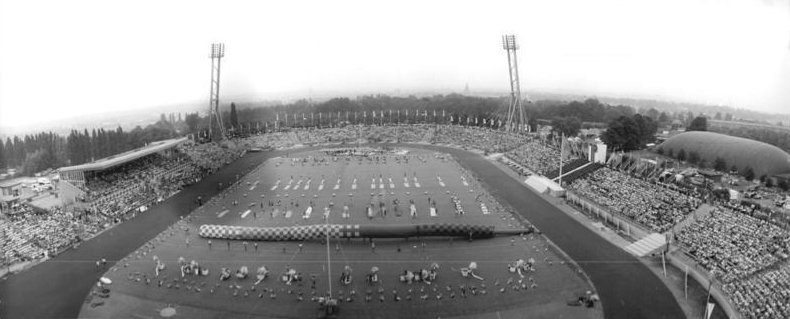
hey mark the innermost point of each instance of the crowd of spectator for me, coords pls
(747, 254)
(732, 244)
(538, 156)
(657, 208)
(28, 234)
(764, 295)
(486, 140)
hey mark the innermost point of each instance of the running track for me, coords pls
(58, 287)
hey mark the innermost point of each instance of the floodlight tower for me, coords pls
(216, 55)
(516, 119)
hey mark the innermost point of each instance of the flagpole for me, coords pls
(328, 261)
(561, 148)
(686, 285)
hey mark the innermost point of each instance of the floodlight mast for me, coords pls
(516, 119)
(216, 55)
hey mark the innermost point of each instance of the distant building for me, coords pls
(10, 193)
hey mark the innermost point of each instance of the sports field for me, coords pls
(278, 193)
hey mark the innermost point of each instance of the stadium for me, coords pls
(539, 259)
(354, 209)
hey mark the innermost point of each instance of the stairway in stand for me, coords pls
(646, 245)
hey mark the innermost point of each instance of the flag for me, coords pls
(442, 113)
(709, 310)
(475, 120)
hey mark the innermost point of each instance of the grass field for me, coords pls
(331, 184)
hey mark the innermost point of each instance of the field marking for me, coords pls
(288, 213)
(247, 212)
(222, 213)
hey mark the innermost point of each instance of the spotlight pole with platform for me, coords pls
(216, 55)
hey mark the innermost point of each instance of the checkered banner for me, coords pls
(299, 233)
(294, 233)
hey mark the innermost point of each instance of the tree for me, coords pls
(647, 128)
(2, 155)
(622, 134)
(783, 184)
(663, 118)
(569, 126)
(718, 116)
(720, 164)
(682, 155)
(728, 117)
(769, 182)
(192, 121)
(652, 113)
(234, 119)
(748, 173)
(700, 123)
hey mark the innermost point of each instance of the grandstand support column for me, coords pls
(515, 114)
(216, 55)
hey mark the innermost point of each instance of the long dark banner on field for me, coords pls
(353, 231)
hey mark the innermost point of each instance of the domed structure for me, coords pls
(764, 159)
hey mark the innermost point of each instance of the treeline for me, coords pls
(327, 112)
(37, 152)
(591, 110)
(780, 139)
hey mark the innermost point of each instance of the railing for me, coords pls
(633, 229)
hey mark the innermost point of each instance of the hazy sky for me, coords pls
(61, 58)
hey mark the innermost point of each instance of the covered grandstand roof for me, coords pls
(125, 157)
(764, 159)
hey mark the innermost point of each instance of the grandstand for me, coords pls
(126, 181)
(77, 174)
